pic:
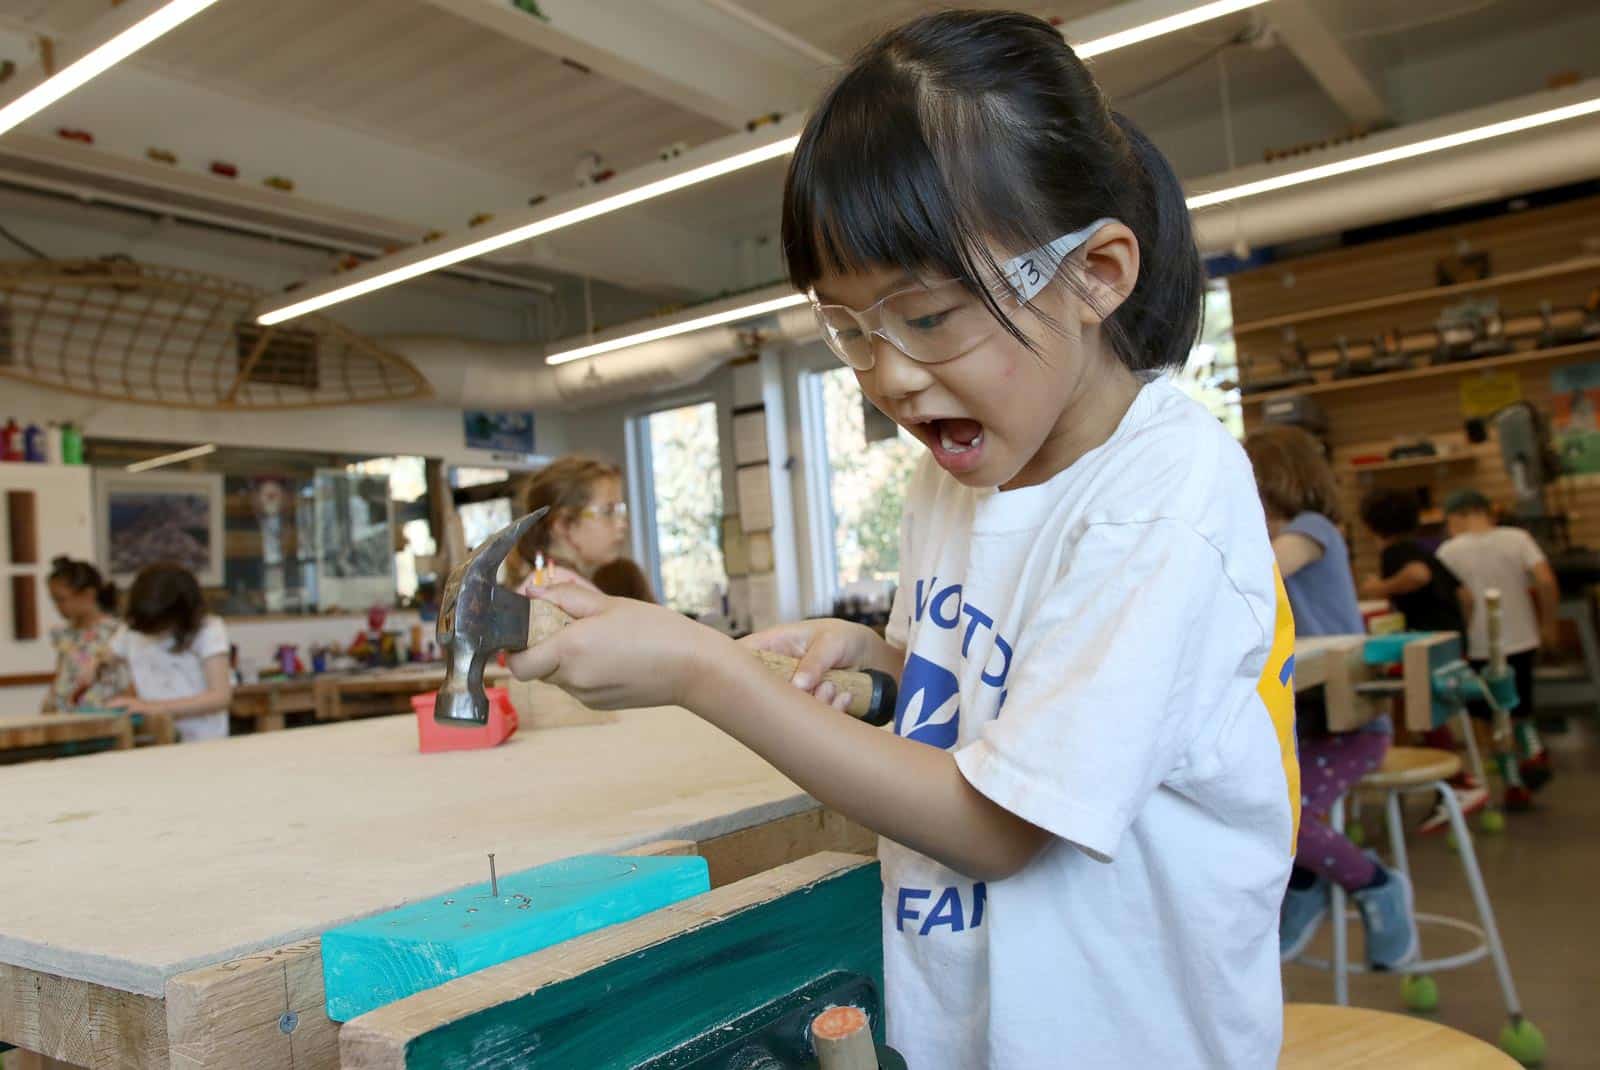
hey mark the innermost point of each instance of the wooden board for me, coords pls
(339, 697)
(267, 704)
(1335, 663)
(1318, 1037)
(260, 841)
(631, 992)
(79, 1022)
(22, 521)
(375, 961)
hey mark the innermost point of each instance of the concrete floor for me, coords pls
(1543, 876)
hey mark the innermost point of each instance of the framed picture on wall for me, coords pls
(143, 518)
(355, 540)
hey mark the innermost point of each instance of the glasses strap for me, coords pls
(1031, 272)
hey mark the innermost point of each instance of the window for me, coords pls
(679, 461)
(1212, 375)
(866, 484)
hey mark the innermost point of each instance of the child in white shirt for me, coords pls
(176, 653)
(1489, 557)
(1089, 798)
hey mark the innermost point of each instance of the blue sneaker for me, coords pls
(1390, 920)
(1302, 914)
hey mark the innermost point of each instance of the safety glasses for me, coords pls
(941, 320)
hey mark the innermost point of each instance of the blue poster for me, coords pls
(502, 432)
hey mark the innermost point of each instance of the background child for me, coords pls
(1009, 268)
(1431, 598)
(587, 526)
(1489, 557)
(88, 674)
(1301, 497)
(1422, 588)
(176, 653)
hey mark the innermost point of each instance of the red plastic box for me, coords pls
(433, 737)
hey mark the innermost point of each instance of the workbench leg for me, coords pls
(272, 722)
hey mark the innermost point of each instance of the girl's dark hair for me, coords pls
(964, 128)
(623, 578)
(82, 576)
(166, 598)
(1390, 513)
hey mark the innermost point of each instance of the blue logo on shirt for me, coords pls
(929, 709)
(950, 909)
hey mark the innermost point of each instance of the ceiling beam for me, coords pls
(1327, 61)
(680, 51)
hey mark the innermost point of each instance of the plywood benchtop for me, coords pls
(125, 869)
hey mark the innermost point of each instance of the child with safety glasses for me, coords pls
(1088, 801)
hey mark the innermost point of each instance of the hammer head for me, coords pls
(478, 618)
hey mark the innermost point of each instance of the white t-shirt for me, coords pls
(1109, 656)
(1503, 559)
(161, 673)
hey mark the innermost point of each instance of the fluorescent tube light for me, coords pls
(99, 59)
(1160, 27)
(1399, 152)
(603, 206)
(172, 458)
(655, 334)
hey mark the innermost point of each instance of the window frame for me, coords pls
(639, 460)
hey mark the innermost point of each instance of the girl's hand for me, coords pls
(1372, 587)
(618, 653)
(131, 704)
(820, 645)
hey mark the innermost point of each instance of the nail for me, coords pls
(802, 681)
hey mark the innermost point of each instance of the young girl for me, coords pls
(587, 526)
(1088, 800)
(88, 674)
(176, 653)
(1301, 498)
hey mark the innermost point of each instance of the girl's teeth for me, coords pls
(952, 446)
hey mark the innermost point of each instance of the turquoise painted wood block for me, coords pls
(389, 956)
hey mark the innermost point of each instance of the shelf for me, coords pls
(1465, 367)
(1550, 271)
(1459, 457)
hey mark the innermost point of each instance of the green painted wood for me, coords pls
(377, 960)
(663, 997)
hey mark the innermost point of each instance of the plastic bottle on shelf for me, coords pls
(52, 446)
(10, 442)
(71, 444)
(33, 447)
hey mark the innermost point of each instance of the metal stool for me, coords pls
(1414, 769)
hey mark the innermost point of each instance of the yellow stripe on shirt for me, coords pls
(1276, 688)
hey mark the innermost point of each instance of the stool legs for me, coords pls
(1480, 899)
(1341, 959)
(1474, 755)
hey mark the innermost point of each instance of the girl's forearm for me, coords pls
(910, 792)
(206, 702)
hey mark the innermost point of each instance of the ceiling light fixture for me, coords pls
(172, 458)
(1409, 151)
(695, 323)
(118, 47)
(1180, 20)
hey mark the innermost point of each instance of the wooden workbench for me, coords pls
(380, 692)
(132, 875)
(43, 735)
(269, 702)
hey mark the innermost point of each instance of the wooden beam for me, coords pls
(697, 58)
(767, 846)
(1326, 59)
(709, 959)
(80, 1022)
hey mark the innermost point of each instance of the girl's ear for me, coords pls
(1110, 270)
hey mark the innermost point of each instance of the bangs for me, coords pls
(865, 191)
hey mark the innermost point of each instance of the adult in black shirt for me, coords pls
(1420, 586)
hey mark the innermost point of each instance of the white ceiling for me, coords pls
(423, 112)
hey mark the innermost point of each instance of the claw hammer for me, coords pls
(478, 618)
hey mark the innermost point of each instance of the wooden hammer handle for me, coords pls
(872, 693)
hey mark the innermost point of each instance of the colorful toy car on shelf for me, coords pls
(480, 219)
(166, 156)
(279, 182)
(68, 133)
(224, 169)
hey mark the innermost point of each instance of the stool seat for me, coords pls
(1334, 1038)
(1406, 767)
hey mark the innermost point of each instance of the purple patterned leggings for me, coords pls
(1329, 766)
